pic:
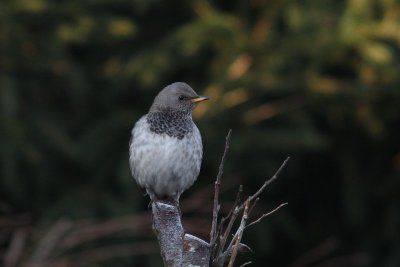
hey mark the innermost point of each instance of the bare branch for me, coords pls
(213, 232)
(233, 213)
(168, 228)
(235, 204)
(226, 233)
(177, 248)
(267, 182)
(267, 214)
(239, 232)
(237, 200)
(225, 256)
(221, 255)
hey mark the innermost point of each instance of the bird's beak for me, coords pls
(199, 99)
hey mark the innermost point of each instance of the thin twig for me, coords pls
(216, 191)
(267, 182)
(239, 233)
(227, 232)
(235, 204)
(253, 205)
(267, 214)
(218, 246)
(233, 214)
(231, 244)
(245, 264)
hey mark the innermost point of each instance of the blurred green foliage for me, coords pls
(316, 80)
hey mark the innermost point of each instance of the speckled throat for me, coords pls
(173, 123)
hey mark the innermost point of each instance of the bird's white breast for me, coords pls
(162, 164)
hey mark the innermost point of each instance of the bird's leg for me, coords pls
(175, 201)
(150, 203)
(153, 198)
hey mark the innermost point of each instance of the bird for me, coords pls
(165, 149)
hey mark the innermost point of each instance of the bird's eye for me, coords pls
(181, 97)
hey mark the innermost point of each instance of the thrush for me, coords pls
(165, 150)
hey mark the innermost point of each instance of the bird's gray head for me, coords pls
(178, 96)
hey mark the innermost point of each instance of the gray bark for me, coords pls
(177, 248)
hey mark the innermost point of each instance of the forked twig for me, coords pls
(267, 182)
(266, 214)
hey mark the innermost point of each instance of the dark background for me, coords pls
(314, 80)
